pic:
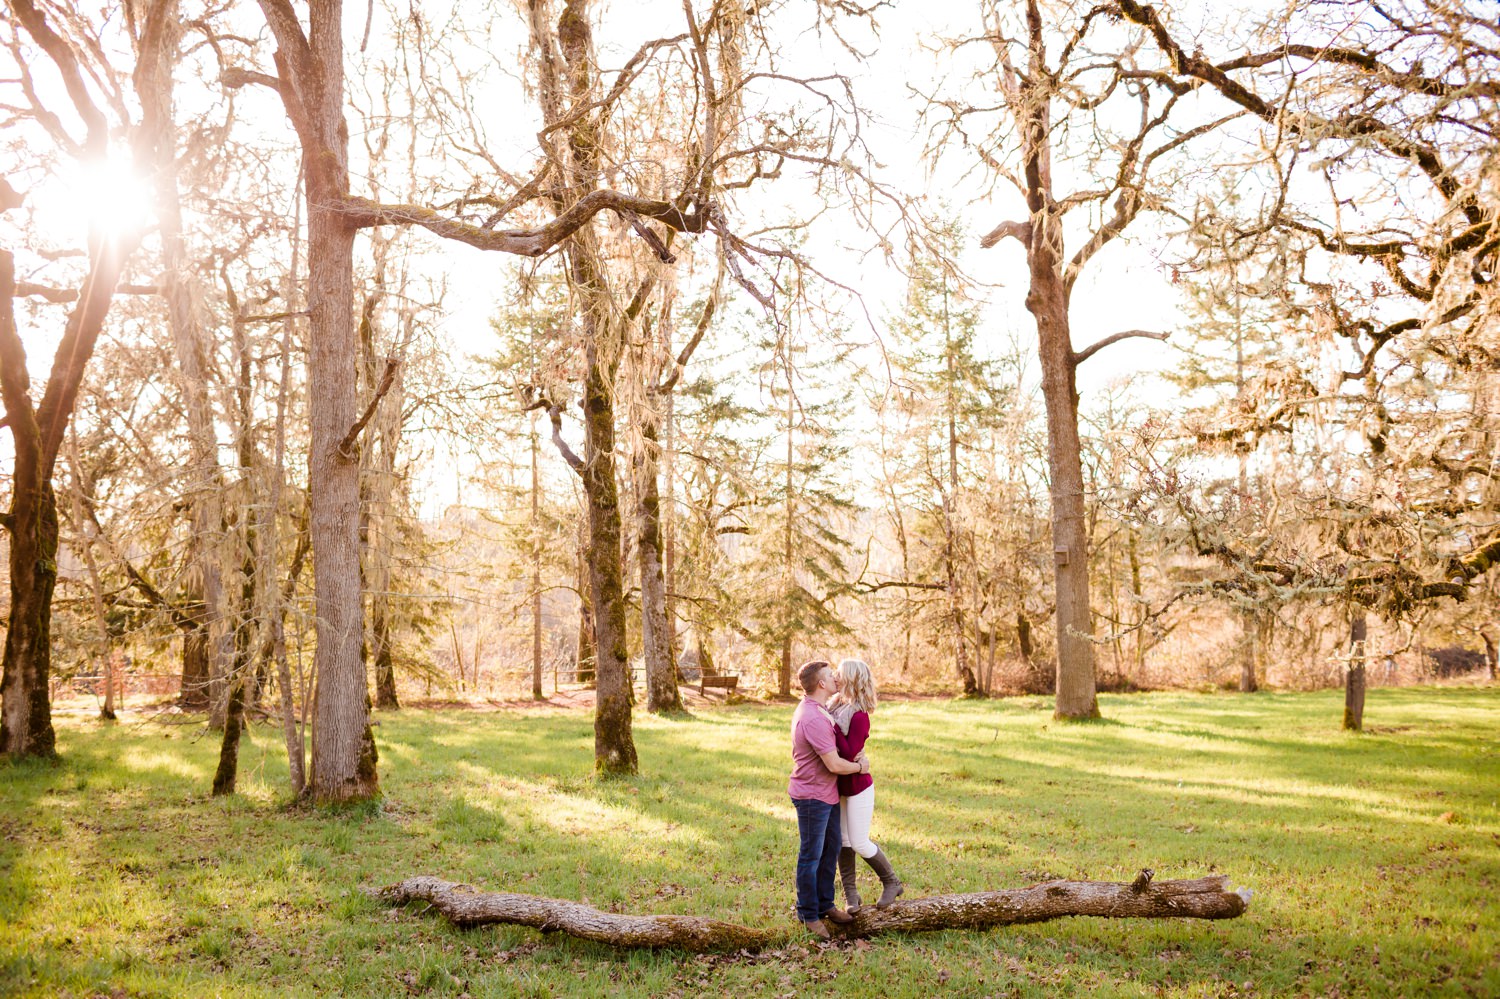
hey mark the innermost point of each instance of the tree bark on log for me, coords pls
(1198, 898)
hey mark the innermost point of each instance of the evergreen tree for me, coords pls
(949, 399)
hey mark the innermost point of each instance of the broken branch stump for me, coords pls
(1143, 898)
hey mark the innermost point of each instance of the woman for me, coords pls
(851, 708)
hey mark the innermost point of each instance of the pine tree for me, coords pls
(949, 398)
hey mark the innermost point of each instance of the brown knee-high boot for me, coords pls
(847, 871)
(890, 885)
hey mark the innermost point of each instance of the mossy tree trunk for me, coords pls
(1354, 677)
(242, 679)
(662, 695)
(586, 654)
(614, 743)
(1249, 650)
(566, 60)
(37, 429)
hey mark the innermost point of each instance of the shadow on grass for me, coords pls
(1340, 836)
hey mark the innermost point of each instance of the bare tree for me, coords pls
(1390, 258)
(1065, 71)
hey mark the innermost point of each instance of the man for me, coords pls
(815, 794)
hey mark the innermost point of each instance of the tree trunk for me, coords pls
(1490, 655)
(964, 671)
(380, 485)
(1354, 677)
(669, 529)
(242, 670)
(536, 566)
(950, 526)
(343, 745)
(614, 744)
(1047, 300)
(273, 644)
(26, 720)
(193, 695)
(587, 656)
(662, 695)
(385, 666)
(96, 591)
(1249, 641)
(784, 677)
(204, 487)
(1201, 898)
(292, 735)
(1138, 644)
(1075, 651)
(36, 435)
(205, 484)
(603, 336)
(106, 646)
(226, 773)
(988, 684)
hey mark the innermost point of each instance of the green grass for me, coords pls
(1375, 859)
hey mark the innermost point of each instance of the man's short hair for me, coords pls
(808, 674)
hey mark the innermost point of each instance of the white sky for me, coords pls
(1123, 288)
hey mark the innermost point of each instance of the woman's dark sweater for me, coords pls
(849, 747)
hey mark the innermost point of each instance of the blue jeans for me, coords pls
(817, 856)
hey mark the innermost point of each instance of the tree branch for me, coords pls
(527, 242)
(62, 296)
(9, 196)
(63, 57)
(181, 618)
(1352, 125)
(346, 446)
(683, 356)
(867, 588)
(1411, 81)
(1019, 230)
(234, 78)
(1090, 351)
(554, 413)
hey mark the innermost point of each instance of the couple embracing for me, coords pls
(833, 792)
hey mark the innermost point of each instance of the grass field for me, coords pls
(1375, 859)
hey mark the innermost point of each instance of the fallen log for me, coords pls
(1143, 898)
(466, 907)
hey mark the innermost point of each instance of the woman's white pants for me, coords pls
(855, 814)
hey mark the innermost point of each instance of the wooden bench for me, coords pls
(727, 681)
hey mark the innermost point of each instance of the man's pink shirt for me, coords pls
(812, 736)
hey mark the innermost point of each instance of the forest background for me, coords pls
(474, 351)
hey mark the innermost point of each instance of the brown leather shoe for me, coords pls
(837, 915)
(817, 929)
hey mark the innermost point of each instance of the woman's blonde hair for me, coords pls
(858, 687)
